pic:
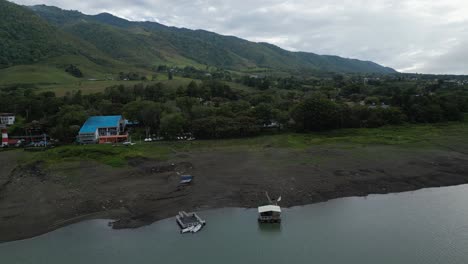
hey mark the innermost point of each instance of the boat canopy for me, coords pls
(269, 208)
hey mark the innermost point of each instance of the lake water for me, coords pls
(426, 226)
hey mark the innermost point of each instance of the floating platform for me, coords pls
(269, 214)
(186, 220)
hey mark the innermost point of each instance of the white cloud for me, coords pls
(409, 35)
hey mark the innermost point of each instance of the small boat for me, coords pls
(186, 179)
(197, 228)
(189, 222)
(270, 213)
(186, 230)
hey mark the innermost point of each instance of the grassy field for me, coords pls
(52, 71)
(107, 154)
(406, 136)
(89, 87)
(34, 74)
(447, 135)
(51, 76)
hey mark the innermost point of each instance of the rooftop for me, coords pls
(269, 208)
(96, 122)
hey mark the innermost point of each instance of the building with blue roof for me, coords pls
(103, 129)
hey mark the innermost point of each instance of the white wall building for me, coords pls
(7, 119)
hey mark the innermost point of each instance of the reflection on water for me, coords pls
(422, 227)
(269, 228)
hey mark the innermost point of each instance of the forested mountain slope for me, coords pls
(150, 43)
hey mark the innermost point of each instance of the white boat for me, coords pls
(196, 228)
(270, 213)
(186, 230)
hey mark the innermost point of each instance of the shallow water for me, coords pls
(426, 226)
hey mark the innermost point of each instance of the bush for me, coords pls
(224, 127)
(73, 70)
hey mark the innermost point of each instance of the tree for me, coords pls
(68, 121)
(264, 113)
(316, 114)
(351, 89)
(452, 111)
(426, 113)
(225, 127)
(73, 70)
(215, 127)
(172, 125)
(193, 90)
(153, 92)
(162, 68)
(147, 113)
(264, 84)
(106, 107)
(393, 116)
(246, 126)
(219, 89)
(202, 111)
(372, 100)
(170, 75)
(185, 104)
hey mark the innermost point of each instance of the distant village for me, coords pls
(96, 130)
(372, 101)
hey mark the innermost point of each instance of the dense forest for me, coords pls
(212, 109)
(25, 37)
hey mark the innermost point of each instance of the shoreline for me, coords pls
(109, 215)
(36, 199)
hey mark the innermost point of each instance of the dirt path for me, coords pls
(35, 199)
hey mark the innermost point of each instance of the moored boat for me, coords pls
(189, 222)
(270, 213)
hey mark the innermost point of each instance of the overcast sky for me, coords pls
(422, 36)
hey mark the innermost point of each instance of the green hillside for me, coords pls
(40, 42)
(26, 38)
(38, 51)
(147, 44)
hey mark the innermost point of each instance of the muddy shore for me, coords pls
(35, 198)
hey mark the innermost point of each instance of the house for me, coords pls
(4, 133)
(7, 119)
(103, 129)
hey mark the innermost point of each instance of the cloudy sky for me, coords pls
(422, 36)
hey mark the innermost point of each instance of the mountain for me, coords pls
(39, 32)
(26, 38)
(161, 43)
